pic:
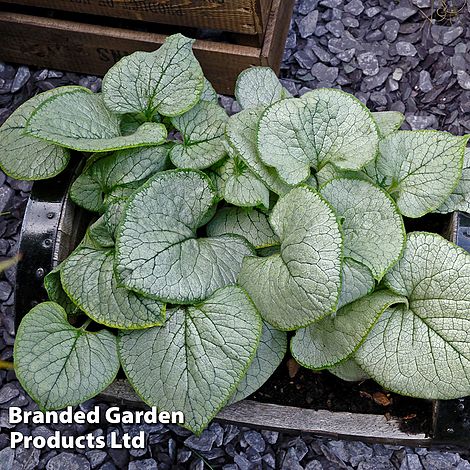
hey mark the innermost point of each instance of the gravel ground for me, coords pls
(391, 55)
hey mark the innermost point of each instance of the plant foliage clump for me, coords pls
(214, 236)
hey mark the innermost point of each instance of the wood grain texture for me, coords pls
(264, 9)
(93, 49)
(364, 427)
(241, 16)
(276, 33)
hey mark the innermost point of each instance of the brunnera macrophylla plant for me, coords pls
(214, 236)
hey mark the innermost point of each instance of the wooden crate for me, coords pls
(93, 49)
(240, 16)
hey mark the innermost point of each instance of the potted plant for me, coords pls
(217, 241)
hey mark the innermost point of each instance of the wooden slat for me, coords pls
(90, 48)
(241, 16)
(79, 47)
(364, 427)
(335, 425)
(276, 33)
(264, 9)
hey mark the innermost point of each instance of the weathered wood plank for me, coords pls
(87, 48)
(276, 33)
(241, 16)
(364, 427)
(92, 48)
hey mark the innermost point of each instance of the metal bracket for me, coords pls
(52, 226)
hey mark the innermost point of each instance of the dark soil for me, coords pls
(435, 223)
(323, 391)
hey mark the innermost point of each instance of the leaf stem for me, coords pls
(6, 365)
(393, 188)
(148, 114)
(84, 326)
(239, 166)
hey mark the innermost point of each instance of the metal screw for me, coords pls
(50, 215)
(47, 242)
(461, 406)
(40, 273)
(450, 430)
